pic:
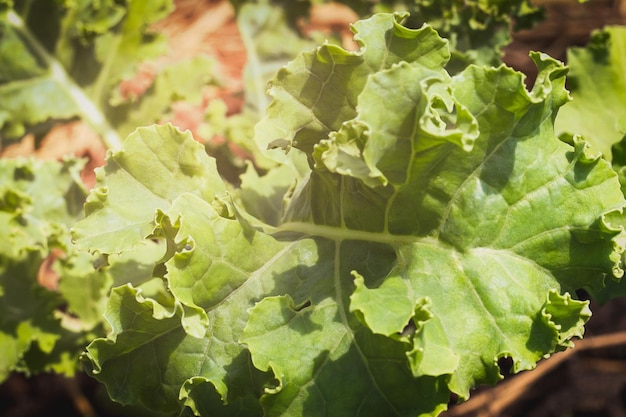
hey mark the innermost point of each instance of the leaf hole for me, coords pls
(306, 304)
(409, 329)
(273, 386)
(583, 295)
(505, 364)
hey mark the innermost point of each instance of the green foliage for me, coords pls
(46, 327)
(598, 88)
(38, 200)
(476, 29)
(61, 60)
(75, 54)
(407, 220)
(440, 225)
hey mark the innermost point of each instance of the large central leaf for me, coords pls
(440, 226)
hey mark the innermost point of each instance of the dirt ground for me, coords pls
(589, 380)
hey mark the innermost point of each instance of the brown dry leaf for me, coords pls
(332, 18)
(187, 116)
(23, 148)
(46, 276)
(208, 28)
(133, 88)
(73, 138)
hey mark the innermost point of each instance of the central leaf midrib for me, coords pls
(344, 319)
(342, 233)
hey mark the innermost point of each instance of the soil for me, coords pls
(589, 380)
